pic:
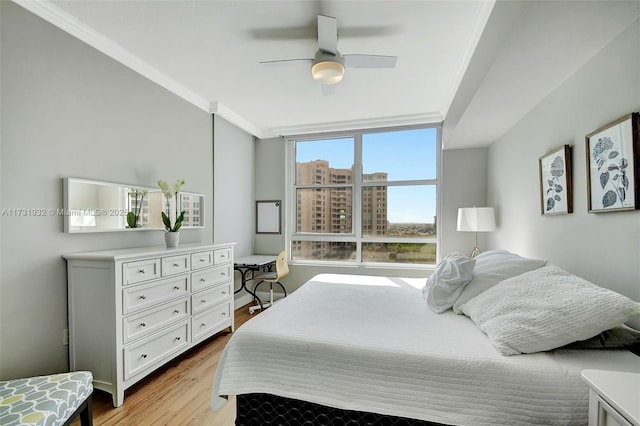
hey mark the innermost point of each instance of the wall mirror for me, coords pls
(193, 206)
(95, 206)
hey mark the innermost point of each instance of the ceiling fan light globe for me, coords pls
(327, 72)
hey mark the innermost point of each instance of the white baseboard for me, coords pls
(242, 298)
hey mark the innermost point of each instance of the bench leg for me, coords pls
(86, 415)
(84, 411)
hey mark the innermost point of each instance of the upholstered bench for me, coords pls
(47, 400)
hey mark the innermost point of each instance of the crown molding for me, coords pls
(359, 124)
(61, 19)
(235, 119)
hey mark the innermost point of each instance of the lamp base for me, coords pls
(475, 250)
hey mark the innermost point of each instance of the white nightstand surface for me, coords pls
(620, 389)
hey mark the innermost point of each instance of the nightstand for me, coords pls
(614, 398)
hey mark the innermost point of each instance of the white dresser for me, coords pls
(133, 310)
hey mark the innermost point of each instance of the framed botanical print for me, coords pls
(555, 182)
(613, 165)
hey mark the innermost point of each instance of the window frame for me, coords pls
(356, 186)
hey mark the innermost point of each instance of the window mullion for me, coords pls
(357, 196)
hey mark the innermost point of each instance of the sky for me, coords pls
(404, 155)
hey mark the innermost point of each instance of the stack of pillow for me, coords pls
(526, 305)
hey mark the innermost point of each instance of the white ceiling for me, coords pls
(208, 52)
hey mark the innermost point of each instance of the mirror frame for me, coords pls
(86, 223)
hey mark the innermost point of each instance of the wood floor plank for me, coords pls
(178, 393)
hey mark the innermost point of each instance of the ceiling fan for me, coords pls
(328, 65)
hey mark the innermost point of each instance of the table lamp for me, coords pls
(476, 219)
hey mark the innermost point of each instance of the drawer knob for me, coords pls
(203, 325)
(224, 292)
(143, 356)
(142, 271)
(223, 274)
(223, 256)
(202, 260)
(203, 301)
(176, 311)
(176, 265)
(224, 314)
(143, 324)
(202, 280)
(142, 296)
(177, 338)
(175, 287)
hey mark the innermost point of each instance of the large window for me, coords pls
(365, 197)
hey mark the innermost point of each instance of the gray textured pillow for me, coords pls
(447, 281)
(491, 268)
(546, 308)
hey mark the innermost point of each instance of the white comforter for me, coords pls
(371, 344)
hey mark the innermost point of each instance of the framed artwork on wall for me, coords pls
(613, 166)
(556, 195)
(268, 217)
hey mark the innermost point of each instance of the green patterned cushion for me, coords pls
(43, 400)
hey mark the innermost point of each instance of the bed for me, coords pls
(351, 345)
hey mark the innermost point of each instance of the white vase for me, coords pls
(171, 239)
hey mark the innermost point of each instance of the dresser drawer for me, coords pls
(204, 323)
(147, 322)
(203, 279)
(144, 354)
(207, 298)
(143, 270)
(221, 256)
(147, 295)
(201, 259)
(175, 265)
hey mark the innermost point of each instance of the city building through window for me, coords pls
(367, 197)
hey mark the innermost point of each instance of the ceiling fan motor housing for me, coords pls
(328, 68)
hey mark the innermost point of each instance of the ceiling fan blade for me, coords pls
(288, 33)
(369, 61)
(327, 34)
(308, 32)
(287, 62)
(328, 89)
(369, 31)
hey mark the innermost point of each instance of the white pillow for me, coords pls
(447, 281)
(491, 268)
(545, 309)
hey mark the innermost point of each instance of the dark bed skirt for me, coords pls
(263, 409)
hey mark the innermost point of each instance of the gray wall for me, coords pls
(68, 110)
(270, 184)
(233, 188)
(605, 247)
(464, 184)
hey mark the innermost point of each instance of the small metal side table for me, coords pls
(253, 263)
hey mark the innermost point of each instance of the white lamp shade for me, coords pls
(476, 219)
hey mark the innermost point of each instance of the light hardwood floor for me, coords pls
(177, 394)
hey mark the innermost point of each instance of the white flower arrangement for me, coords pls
(171, 192)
